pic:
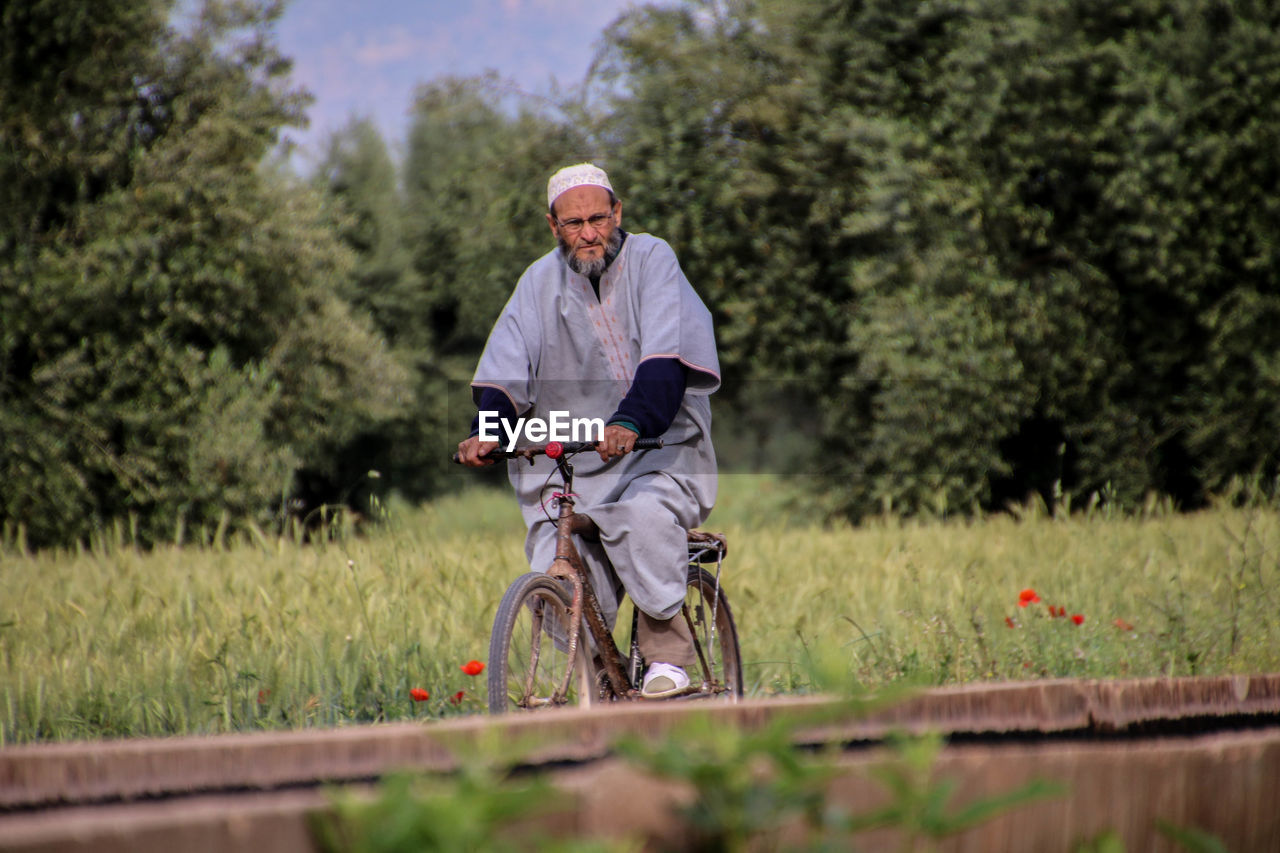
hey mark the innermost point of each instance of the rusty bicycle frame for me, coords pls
(621, 674)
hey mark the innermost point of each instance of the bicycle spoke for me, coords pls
(530, 665)
(715, 637)
(535, 652)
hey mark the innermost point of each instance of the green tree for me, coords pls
(358, 171)
(1007, 247)
(475, 175)
(1121, 183)
(359, 175)
(805, 207)
(174, 344)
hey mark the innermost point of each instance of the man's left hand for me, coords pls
(617, 441)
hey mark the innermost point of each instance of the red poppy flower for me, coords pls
(1008, 620)
(472, 667)
(1123, 625)
(457, 697)
(1077, 618)
(1027, 596)
(419, 695)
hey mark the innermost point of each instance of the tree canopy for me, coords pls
(174, 342)
(1010, 245)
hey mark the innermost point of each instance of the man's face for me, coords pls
(584, 247)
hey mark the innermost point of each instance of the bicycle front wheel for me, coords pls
(529, 664)
(715, 635)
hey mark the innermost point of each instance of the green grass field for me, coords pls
(268, 633)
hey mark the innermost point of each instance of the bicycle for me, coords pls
(537, 657)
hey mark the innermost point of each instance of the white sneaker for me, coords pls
(663, 680)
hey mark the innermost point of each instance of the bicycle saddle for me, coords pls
(706, 547)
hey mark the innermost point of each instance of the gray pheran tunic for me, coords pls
(556, 347)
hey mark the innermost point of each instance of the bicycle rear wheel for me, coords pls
(715, 635)
(529, 666)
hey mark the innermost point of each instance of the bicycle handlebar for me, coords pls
(556, 449)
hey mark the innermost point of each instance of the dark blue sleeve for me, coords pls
(492, 400)
(654, 397)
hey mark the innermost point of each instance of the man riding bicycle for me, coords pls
(607, 326)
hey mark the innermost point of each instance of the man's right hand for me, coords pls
(474, 452)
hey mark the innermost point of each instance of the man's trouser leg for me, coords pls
(644, 535)
(666, 640)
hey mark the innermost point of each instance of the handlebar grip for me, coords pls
(529, 451)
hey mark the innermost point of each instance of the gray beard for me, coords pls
(593, 268)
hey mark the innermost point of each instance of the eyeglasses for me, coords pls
(597, 222)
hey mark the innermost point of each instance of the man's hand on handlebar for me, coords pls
(474, 453)
(617, 441)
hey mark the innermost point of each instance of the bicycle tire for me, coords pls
(716, 632)
(527, 665)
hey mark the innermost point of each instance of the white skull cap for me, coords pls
(581, 175)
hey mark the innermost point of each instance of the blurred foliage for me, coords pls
(739, 790)
(484, 806)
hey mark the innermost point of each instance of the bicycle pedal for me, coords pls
(683, 693)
